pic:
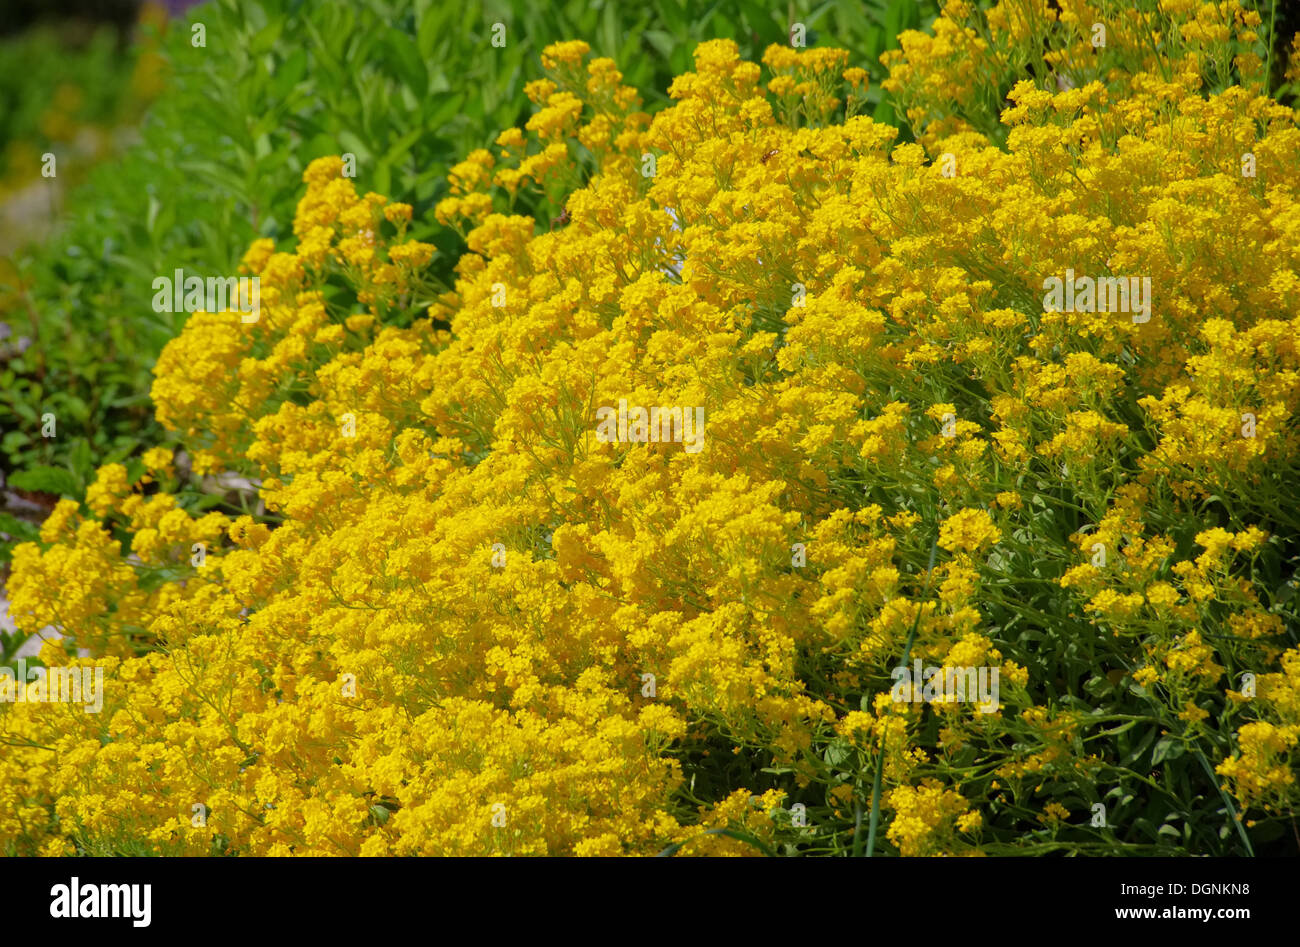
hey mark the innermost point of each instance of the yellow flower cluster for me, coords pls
(468, 624)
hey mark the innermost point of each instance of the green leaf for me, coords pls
(20, 530)
(46, 480)
(431, 27)
(266, 37)
(409, 65)
(1168, 748)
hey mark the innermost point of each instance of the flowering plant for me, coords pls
(467, 624)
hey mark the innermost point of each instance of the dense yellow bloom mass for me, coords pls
(468, 624)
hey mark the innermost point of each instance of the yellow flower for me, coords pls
(968, 530)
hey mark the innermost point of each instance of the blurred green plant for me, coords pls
(54, 84)
(408, 87)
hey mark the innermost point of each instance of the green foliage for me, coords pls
(52, 83)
